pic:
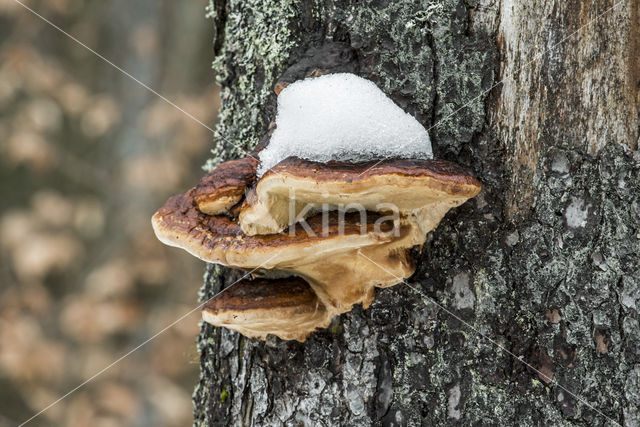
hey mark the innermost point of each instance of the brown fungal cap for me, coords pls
(324, 251)
(219, 239)
(408, 184)
(287, 308)
(225, 186)
(441, 171)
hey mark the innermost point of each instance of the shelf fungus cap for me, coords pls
(287, 308)
(218, 191)
(296, 188)
(219, 239)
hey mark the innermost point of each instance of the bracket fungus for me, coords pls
(294, 189)
(317, 255)
(260, 306)
(308, 231)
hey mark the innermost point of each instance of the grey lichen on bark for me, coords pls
(554, 280)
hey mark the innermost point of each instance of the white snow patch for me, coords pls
(342, 117)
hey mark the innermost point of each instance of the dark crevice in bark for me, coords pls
(220, 8)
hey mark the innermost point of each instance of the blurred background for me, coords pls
(86, 156)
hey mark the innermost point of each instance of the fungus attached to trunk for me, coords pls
(290, 220)
(295, 188)
(323, 249)
(219, 239)
(286, 307)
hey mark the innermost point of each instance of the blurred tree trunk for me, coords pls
(545, 261)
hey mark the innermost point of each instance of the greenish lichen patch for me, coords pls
(256, 43)
(224, 394)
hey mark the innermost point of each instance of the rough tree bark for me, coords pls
(545, 261)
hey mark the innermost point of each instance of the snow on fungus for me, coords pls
(342, 117)
(289, 220)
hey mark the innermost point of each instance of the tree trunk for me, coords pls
(537, 277)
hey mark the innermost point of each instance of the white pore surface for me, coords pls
(342, 117)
